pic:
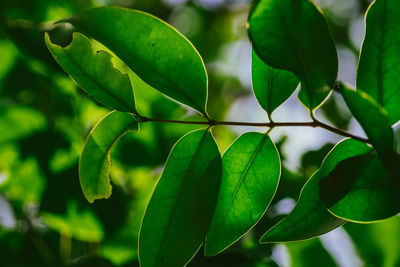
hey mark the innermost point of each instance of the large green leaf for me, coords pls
(154, 50)
(379, 64)
(271, 86)
(372, 118)
(95, 163)
(251, 171)
(93, 72)
(309, 218)
(294, 36)
(361, 189)
(181, 207)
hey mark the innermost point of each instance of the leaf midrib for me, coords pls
(249, 164)
(181, 190)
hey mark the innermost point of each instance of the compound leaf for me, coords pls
(154, 50)
(361, 189)
(93, 71)
(95, 163)
(251, 171)
(180, 210)
(271, 86)
(379, 64)
(294, 36)
(309, 218)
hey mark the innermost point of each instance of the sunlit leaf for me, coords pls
(309, 218)
(372, 118)
(271, 86)
(94, 73)
(95, 163)
(154, 50)
(251, 170)
(181, 207)
(294, 36)
(82, 225)
(379, 64)
(361, 189)
(17, 122)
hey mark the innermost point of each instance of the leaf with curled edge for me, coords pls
(153, 49)
(95, 163)
(309, 218)
(361, 189)
(93, 71)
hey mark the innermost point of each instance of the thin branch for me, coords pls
(313, 124)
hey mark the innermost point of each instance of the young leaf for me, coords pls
(309, 218)
(361, 189)
(294, 36)
(93, 72)
(379, 64)
(251, 171)
(95, 163)
(372, 118)
(181, 207)
(271, 86)
(154, 50)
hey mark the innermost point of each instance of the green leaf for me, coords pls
(95, 163)
(93, 71)
(82, 225)
(154, 50)
(372, 118)
(271, 86)
(294, 36)
(181, 207)
(361, 189)
(379, 64)
(309, 218)
(251, 171)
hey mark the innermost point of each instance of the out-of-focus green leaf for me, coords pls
(271, 86)
(81, 225)
(95, 163)
(94, 73)
(378, 244)
(251, 171)
(379, 64)
(361, 189)
(181, 207)
(372, 118)
(309, 253)
(154, 50)
(294, 36)
(17, 122)
(309, 218)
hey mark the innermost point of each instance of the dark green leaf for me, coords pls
(94, 73)
(95, 163)
(154, 50)
(361, 189)
(372, 118)
(294, 36)
(379, 64)
(309, 218)
(271, 86)
(181, 207)
(251, 171)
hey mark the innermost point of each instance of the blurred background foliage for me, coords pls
(45, 118)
